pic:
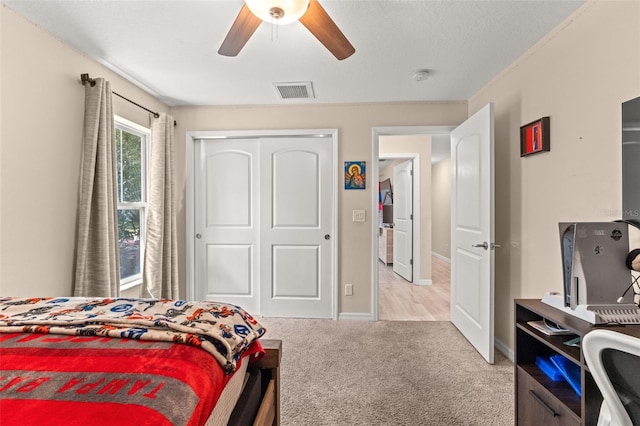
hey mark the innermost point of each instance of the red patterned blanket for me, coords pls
(72, 371)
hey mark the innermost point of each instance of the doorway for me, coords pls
(427, 268)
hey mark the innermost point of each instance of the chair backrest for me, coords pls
(614, 361)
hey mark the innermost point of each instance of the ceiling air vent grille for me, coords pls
(300, 90)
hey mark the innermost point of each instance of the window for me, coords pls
(131, 153)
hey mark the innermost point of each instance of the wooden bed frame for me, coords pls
(269, 412)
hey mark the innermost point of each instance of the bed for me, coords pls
(105, 361)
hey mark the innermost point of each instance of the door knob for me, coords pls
(198, 236)
(327, 236)
(486, 246)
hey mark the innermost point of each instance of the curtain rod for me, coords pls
(84, 78)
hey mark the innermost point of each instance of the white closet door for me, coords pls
(263, 214)
(296, 227)
(227, 222)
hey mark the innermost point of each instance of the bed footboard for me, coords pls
(269, 411)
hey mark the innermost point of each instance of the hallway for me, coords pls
(400, 300)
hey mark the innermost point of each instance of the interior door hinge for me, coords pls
(410, 261)
(411, 216)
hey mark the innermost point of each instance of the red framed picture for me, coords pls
(534, 137)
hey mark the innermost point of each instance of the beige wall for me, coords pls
(421, 145)
(579, 76)
(441, 208)
(40, 153)
(354, 123)
(40, 144)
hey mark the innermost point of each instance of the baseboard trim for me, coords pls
(441, 257)
(504, 349)
(425, 282)
(355, 316)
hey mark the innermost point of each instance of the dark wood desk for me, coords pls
(539, 400)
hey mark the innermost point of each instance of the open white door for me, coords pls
(472, 234)
(403, 220)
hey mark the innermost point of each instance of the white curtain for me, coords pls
(97, 268)
(160, 271)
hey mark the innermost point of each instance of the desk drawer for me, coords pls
(537, 406)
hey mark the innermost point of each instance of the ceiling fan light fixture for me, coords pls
(279, 12)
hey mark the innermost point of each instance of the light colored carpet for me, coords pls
(387, 373)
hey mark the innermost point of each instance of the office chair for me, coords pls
(614, 361)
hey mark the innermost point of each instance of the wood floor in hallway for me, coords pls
(400, 300)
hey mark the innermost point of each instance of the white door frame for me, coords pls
(373, 175)
(190, 139)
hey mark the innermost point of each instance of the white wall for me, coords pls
(579, 75)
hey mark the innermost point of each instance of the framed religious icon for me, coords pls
(355, 174)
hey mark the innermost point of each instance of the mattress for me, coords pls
(249, 401)
(229, 397)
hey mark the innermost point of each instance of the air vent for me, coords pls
(299, 90)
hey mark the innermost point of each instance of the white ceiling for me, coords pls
(169, 48)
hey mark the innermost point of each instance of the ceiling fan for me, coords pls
(309, 12)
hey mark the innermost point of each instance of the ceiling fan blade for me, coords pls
(242, 29)
(324, 29)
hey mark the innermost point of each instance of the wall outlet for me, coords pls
(348, 289)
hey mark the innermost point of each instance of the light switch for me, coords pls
(358, 216)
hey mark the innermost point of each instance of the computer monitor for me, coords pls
(593, 261)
